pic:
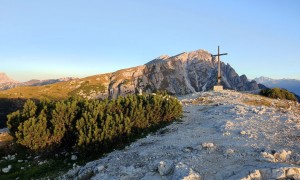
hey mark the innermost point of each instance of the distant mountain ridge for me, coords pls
(185, 73)
(8, 83)
(292, 85)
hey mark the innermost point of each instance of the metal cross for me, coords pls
(219, 65)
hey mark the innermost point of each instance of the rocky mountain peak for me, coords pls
(5, 79)
(263, 79)
(194, 55)
(184, 73)
(159, 59)
(163, 57)
(184, 57)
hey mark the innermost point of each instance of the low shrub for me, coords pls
(85, 124)
(278, 93)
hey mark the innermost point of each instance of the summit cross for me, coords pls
(219, 65)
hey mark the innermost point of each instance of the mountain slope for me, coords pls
(5, 79)
(181, 74)
(223, 135)
(292, 85)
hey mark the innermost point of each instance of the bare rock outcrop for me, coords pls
(185, 73)
(274, 173)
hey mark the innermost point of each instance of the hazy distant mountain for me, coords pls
(184, 73)
(8, 83)
(292, 85)
(5, 79)
(35, 82)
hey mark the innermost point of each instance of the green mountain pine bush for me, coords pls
(80, 124)
(278, 93)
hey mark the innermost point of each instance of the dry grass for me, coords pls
(62, 90)
(59, 90)
(281, 104)
(201, 100)
(257, 102)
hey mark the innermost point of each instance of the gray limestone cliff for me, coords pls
(180, 74)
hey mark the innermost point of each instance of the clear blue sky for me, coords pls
(58, 38)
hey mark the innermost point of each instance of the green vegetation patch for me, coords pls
(88, 128)
(80, 124)
(25, 166)
(278, 93)
(7, 106)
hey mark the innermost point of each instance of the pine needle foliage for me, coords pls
(278, 93)
(78, 123)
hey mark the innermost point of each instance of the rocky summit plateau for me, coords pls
(223, 135)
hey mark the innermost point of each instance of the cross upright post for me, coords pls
(219, 87)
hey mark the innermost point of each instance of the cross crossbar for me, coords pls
(220, 54)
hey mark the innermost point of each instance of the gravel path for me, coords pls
(223, 135)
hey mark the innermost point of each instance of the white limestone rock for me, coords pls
(182, 171)
(266, 173)
(278, 173)
(104, 177)
(255, 175)
(243, 132)
(165, 167)
(229, 151)
(99, 168)
(274, 173)
(208, 145)
(151, 176)
(296, 177)
(85, 174)
(293, 173)
(282, 156)
(73, 157)
(192, 176)
(267, 157)
(7, 169)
